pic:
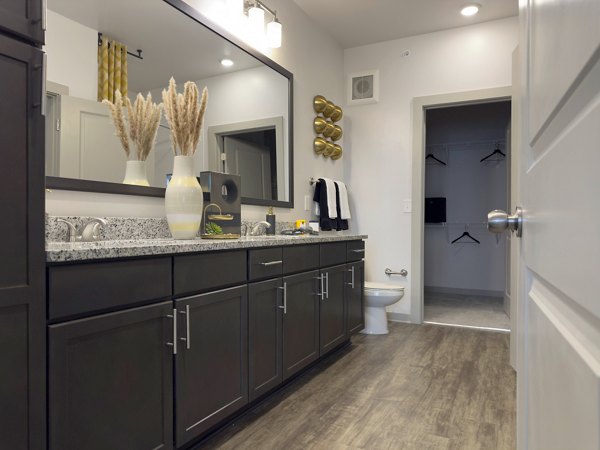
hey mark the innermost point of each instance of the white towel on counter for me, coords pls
(331, 197)
(344, 206)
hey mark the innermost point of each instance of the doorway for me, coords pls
(420, 107)
(467, 165)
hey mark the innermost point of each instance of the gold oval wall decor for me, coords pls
(320, 124)
(319, 103)
(329, 129)
(337, 133)
(337, 153)
(329, 149)
(324, 145)
(329, 108)
(337, 114)
(319, 145)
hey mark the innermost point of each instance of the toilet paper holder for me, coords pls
(390, 272)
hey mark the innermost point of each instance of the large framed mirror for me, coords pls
(247, 128)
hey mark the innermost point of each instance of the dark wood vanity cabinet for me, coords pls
(22, 281)
(166, 374)
(110, 381)
(265, 316)
(300, 322)
(211, 365)
(23, 18)
(332, 317)
(355, 311)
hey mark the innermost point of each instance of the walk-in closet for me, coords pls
(467, 164)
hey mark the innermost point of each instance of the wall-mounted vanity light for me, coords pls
(256, 10)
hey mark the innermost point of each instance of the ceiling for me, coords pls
(360, 22)
(172, 43)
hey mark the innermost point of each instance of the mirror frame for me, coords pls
(73, 184)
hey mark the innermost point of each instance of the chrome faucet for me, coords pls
(90, 231)
(256, 230)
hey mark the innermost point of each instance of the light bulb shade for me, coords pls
(256, 17)
(274, 34)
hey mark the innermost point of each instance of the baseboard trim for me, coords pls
(399, 317)
(460, 291)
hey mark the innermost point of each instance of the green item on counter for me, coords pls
(213, 228)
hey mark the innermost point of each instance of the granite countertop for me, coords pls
(124, 248)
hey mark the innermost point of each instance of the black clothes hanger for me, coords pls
(497, 151)
(465, 234)
(430, 155)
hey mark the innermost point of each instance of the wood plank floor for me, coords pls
(420, 387)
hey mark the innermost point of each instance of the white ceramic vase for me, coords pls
(135, 173)
(184, 200)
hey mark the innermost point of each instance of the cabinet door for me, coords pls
(355, 311)
(110, 381)
(211, 368)
(332, 318)
(300, 322)
(264, 336)
(23, 18)
(22, 276)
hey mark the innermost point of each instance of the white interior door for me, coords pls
(558, 356)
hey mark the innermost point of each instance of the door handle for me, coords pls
(499, 221)
(188, 342)
(174, 343)
(327, 284)
(284, 289)
(351, 284)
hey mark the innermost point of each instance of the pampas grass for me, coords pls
(185, 115)
(143, 119)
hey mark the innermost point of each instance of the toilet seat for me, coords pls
(372, 285)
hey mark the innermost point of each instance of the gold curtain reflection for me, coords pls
(112, 69)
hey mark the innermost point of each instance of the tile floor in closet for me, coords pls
(466, 310)
(419, 387)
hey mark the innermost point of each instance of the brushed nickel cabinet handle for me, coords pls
(359, 250)
(187, 339)
(351, 284)
(284, 289)
(174, 343)
(321, 294)
(271, 263)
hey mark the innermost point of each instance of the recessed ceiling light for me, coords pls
(471, 9)
(227, 62)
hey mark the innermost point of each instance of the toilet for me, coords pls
(377, 297)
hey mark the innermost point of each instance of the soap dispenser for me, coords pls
(271, 219)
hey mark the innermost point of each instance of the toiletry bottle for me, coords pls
(271, 219)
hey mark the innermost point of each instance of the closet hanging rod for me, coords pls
(139, 51)
(445, 145)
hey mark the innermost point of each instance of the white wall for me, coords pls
(378, 153)
(72, 51)
(461, 137)
(316, 61)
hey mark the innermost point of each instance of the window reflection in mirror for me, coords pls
(81, 141)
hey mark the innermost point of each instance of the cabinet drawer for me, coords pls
(265, 263)
(202, 272)
(85, 288)
(355, 250)
(333, 254)
(300, 258)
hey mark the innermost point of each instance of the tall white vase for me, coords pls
(183, 200)
(135, 173)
